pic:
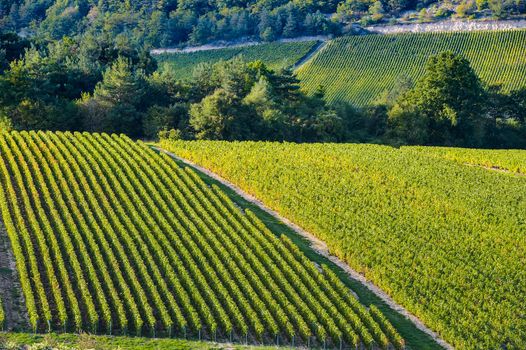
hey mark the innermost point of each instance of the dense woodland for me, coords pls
(172, 22)
(85, 65)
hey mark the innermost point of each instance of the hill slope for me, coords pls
(275, 55)
(445, 240)
(359, 69)
(109, 236)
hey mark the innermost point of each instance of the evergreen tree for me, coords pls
(447, 104)
(119, 97)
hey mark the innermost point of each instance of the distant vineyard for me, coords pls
(508, 160)
(276, 55)
(359, 69)
(110, 237)
(444, 239)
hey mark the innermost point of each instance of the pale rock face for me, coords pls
(449, 26)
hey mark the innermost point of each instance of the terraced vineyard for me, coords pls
(110, 237)
(444, 239)
(359, 69)
(275, 55)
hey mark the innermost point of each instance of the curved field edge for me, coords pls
(490, 218)
(414, 337)
(71, 341)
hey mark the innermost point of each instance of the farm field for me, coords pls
(443, 238)
(275, 55)
(110, 237)
(507, 160)
(359, 69)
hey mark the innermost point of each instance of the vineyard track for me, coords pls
(497, 169)
(320, 247)
(314, 51)
(11, 293)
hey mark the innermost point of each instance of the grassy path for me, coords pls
(412, 330)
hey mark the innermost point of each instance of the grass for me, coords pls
(86, 341)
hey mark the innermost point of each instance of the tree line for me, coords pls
(161, 23)
(99, 84)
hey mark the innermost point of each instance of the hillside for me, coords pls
(110, 237)
(443, 238)
(359, 69)
(275, 55)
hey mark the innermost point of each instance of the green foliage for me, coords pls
(358, 69)
(445, 107)
(11, 48)
(427, 230)
(161, 23)
(117, 100)
(151, 249)
(83, 341)
(507, 160)
(250, 102)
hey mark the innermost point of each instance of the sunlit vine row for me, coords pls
(359, 69)
(111, 237)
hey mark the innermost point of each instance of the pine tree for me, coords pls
(120, 95)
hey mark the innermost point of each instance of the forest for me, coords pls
(98, 84)
(160, 23)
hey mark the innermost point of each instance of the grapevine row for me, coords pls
(442, 238)
(359, 69)
(111, 237)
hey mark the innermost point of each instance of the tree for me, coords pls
(291, 26)
(447, 104)
(219, 117)
(119, 97)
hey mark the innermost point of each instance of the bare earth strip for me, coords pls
(321, 248)
(10, 290)
(314, 51)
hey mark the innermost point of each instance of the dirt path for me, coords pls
(10, 290)
(495, 168)
(314, 51)
(321, 248)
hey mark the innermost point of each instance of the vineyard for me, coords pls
(507, 160)
(359, 69)
(444, 239)
(275, 55)
(110, 237)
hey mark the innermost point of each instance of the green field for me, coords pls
(275, 55)
(65, 341)
(505, 160)
(110, 237)
(359, 69)
(444, 239)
